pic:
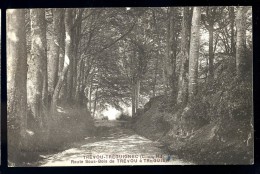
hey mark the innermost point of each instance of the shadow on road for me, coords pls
(111, 138)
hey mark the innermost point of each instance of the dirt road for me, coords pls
(113, 144)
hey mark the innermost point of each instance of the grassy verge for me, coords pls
(216, 128)
(70, 125)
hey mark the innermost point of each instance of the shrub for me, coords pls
(124, 117)
(70, 125)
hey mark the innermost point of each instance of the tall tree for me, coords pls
(184, 70)
(171, 53)
(67, 57)
(213, 15)
(70, 75)
(62, 56)
(157, 57)
(232, 24)
(55, 48)
(138, 64)
(37, 74)
(76, 42)
(194, 52)
(241, 59)
(45, 65)
(16, 80)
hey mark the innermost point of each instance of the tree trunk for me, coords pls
(155, 76)
(211, 54)
(167, 68)
(55, 49)
(95, 102)
(16, 82)
(76, 57)
(170, 58)
(68, 54)
(45, 85)
(70, 81)
(45, 72)
(81, 87)
(194, 53)
(173, 55)
(74, 70)
(82, 96)
(59, 85)
(62, 43)
(241, 62)
(184, 70)
(232, 23)
(157, 58)
(37, 68)
(79, 81)
(133, 99)
(62, 92)
(137, 94)
(69, 22)
(90, 96)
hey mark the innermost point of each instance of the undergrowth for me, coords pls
(66, 126)
(215, 128)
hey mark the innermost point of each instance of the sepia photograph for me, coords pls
(0, 82)
(130, 86)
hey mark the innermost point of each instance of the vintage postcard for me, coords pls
(130, 86)
(0, 77)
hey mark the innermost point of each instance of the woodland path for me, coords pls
(112, 138)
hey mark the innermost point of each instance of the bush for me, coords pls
(104, 118)
(215, 128)
(151, 123)
(222, 113)
(124, 117)
(70, 125)
(74, 124)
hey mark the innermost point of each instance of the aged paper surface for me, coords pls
(130, 86)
